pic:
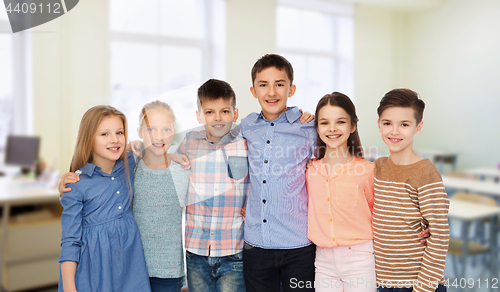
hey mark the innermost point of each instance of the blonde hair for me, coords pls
(153, 106)
(84, 150)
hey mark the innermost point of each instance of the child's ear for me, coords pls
(354, 128)
(378, 124)
(235, 115)
(139, 132)
(292, 90)
(419, 127)
(198, 117)
(252, 90)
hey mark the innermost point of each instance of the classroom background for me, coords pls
(126, 53)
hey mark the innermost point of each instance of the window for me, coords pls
(15, 115)
(317, 39)
(164, 50)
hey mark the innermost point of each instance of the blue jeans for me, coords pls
(165, 284)
(217, 274)
(271, 270)
(440, 288)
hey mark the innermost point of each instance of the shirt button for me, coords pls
(118, 192)
(265, 161)
(331, 219)
(120, 207)
(264, 220)
(333, 239)
(215, 189)
(215, 211)
(211, 233)
(268, 141)
(264, 181)
(217, 166)
(112, 178)
(272, 124)
(328, 199)
(264, 201)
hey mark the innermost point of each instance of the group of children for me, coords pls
(258, 218)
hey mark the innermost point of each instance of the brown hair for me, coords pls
(272, 60)
(344, 102)
(402, 97)
(215, 89)
(84, 149)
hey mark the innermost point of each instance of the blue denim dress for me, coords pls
(100, 233)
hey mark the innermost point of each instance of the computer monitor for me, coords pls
(22, 150)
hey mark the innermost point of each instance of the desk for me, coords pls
(439, 158)
(11, 194)
(468, 213)
(485, 172)
(473, 186)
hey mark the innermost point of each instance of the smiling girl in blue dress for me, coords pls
(101, 249)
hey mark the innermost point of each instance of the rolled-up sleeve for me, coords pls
(71, 223)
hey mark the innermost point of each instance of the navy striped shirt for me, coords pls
(276, 214)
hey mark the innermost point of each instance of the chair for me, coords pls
(456, 245)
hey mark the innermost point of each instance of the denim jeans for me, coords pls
(440, 288)
(165, 284)
(266, 270)
(217, 274)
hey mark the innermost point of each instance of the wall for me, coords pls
(455, 66)
(251, 33)
(70, 63)
(374, 67)
(448, 54)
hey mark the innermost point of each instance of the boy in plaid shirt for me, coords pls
(217, 193)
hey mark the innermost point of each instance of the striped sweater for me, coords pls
(404, 196)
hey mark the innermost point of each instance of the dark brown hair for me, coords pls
(215, 89)
(402, 97)
(272, 60)
(343, 101)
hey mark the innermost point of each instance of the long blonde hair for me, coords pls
(84, 150)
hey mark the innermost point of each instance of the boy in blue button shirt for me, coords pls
(277, 251)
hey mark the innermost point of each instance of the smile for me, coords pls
(395, 140)
(333, 136)
(114, 149)
(272, 101)
(218, 126)
(158, 145)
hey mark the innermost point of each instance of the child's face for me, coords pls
(217, 116)
(109, 142)
(398, 127)
(334, 126)
(272, 88)
(157, 138)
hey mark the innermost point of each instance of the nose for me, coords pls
(395, 130)
(113, 138)
(218, 117)
(272, 91)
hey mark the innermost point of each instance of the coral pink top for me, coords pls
(340, 206)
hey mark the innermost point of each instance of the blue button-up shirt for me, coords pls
(276, 214)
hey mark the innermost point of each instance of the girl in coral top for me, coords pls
(340, 187)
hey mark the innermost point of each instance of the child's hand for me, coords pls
(181, 159)
(136, 147)
(306, 117)
(425, 234)
(243, 211)
(67, 178)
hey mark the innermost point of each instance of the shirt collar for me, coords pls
(292, 114)
(202, 135)
(89, 168)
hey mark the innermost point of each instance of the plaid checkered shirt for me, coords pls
(218, 190)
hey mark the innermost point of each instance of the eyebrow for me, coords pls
(403, 121)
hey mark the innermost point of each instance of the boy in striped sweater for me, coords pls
(408, 190)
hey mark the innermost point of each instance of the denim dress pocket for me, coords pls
(237, 167)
